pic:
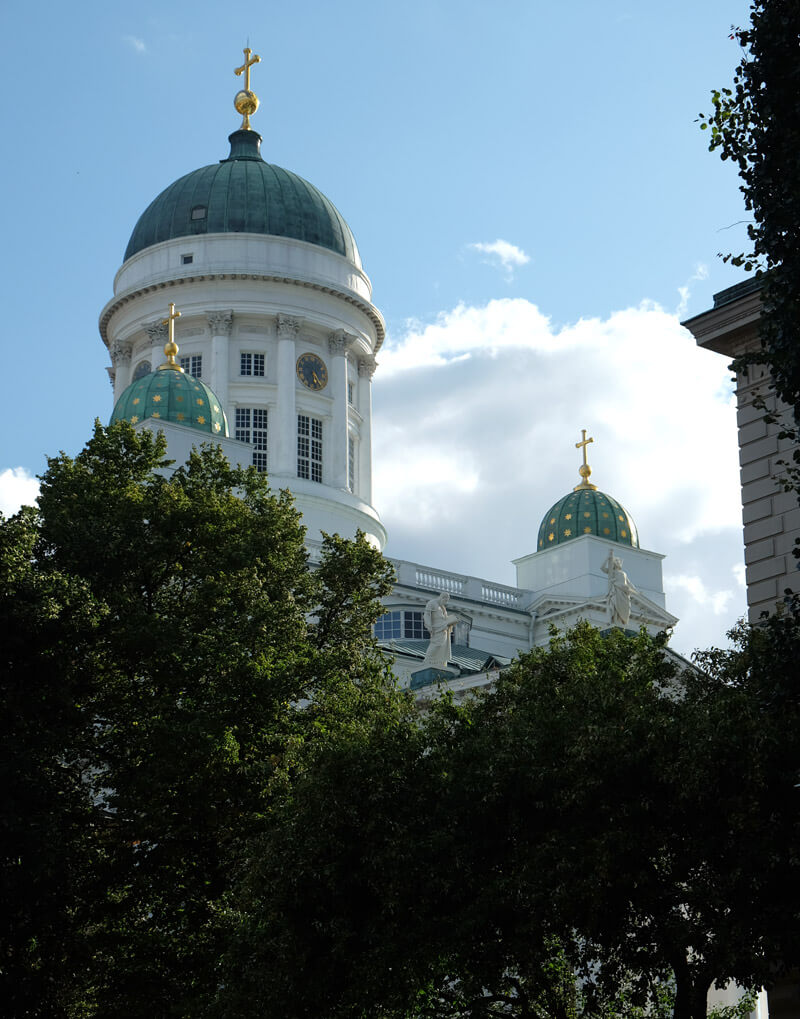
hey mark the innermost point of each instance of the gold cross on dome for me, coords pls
(171, 347)
(245, 68)
(584, 470)
(583, 444)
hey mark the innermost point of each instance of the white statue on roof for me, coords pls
(620, 590)
(439, 623)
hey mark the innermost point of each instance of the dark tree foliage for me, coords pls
(603, 835)
(756, 123)
(166, 648)
(644, 817)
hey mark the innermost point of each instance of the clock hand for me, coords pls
(314, 377)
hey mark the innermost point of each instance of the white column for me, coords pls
(220, 323)
(366, 369)
(121, 370)
(338, 343)
(157, 331)
(286, 439)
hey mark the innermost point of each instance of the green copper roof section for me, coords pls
(171, 395)
(244, 194)
(587, 512)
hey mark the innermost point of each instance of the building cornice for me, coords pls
(131, 295)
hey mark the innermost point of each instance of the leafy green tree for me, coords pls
(194, 648)
(756, 124)
(602, 835)
(45, 818)
(638, 811)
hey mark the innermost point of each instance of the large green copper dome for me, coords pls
(587, 511)
(244, 194)
(168, 394)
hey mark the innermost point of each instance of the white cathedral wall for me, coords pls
(575, 569)
(281, 298)
(335, 513)
(227, 253)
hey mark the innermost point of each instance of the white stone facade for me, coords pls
(250, 306)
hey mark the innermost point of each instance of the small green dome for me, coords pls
(169, 394)
(587, 511)
(244, 194)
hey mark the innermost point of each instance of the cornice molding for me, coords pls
(367, 309)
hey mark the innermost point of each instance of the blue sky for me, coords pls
(533, 201)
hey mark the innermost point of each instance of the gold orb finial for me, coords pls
(584, 470)
(171, 347)
(246, 101)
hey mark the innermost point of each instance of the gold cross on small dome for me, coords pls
(171, 347)
(584, 470)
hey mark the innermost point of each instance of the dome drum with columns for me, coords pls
(268, 279)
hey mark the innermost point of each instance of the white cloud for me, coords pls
(476, 417)
(685, 292)
(508, 256)
(136, 44)
(717, 601)
(17, 488)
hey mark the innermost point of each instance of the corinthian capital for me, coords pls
(366, 368)
(220, 322)
(157, 331)
(120, 352)
(288, 327)
(338, 342)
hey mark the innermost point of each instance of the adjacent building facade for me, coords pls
(771, 516)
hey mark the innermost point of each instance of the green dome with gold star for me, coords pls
(587, 511)
(168, 394)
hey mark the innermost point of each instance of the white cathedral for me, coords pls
(272, 354)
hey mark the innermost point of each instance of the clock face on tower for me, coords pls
(312, 372)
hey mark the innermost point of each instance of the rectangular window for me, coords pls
(187, 259)
(414, 627)
(259, 438)
(242, 432)
(406, 623)
(251, 426)
(351, 463)
(309, 448)
(350, 394)
(193, 365)
(389, 626)
(251, 364)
